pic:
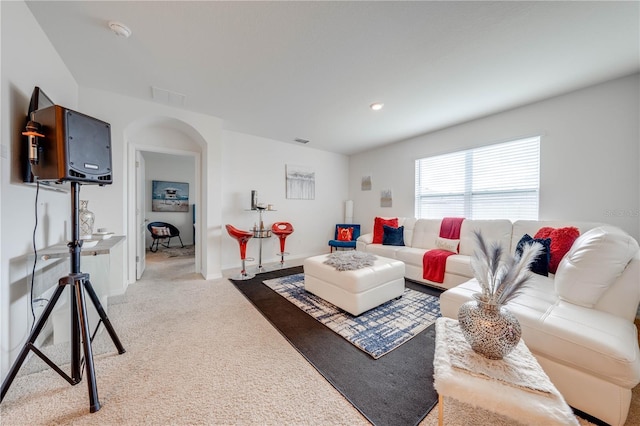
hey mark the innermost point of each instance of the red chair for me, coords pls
(282, 230)
(242, 237)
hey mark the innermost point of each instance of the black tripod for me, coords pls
(79, 320)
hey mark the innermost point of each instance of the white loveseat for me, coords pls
(579, 323)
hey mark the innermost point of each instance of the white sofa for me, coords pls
(582, 333)
(420, 235)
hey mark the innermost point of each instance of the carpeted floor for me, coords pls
(396, 389)
(199, 353)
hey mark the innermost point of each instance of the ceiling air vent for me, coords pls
(168, 97)
(301, 140)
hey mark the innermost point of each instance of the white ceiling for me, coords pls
(310, 70)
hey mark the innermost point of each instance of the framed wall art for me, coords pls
(386, 198)
(301, 182)
(169, 196)
(366, 183)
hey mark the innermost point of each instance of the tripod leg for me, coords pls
(32, 338)
(76, 367)
(86, 342)
(103, 316)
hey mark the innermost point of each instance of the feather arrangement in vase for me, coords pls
(490, 328)
(500, 275)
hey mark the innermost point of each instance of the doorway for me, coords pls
(173, 138)
(157, 170)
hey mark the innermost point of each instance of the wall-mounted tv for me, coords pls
(39, 100)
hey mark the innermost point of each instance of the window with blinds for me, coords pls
(498, 181)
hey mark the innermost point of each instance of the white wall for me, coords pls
(253, 163)
(137, 123)
(28, 60)
(173, 168)
(232, 165)
(589, 156)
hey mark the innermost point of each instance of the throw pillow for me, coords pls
(447, 244)
(393, 236)
(540, 264)
(378, 230)
(345, 234)
(561, 241)
(161, 231)
(596, 259)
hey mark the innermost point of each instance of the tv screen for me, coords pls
(39, 100)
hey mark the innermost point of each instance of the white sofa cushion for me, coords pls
(592, 264)
(411, 255)
(498, 230)
(409, 223)
(384, 251)
(459, 264)
(425, 233)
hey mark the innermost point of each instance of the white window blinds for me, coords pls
(498, 181)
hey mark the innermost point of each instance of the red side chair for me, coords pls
(242, 237)
(282, 230)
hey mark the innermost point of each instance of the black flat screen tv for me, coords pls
(39, 100)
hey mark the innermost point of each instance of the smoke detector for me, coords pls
(120, 29)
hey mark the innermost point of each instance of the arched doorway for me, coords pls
(165, 136)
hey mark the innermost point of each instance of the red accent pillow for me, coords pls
(561, 241)
(345, 234)
(378, 230)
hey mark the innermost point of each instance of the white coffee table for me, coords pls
(515, 387)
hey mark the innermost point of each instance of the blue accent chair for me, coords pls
(335, 243)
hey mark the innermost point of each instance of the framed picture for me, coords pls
(169, 196)
(366, 183)
(301, 182)
(386, 198)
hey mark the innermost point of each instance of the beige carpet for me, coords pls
(198, 353)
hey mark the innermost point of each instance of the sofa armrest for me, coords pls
(363, 241)
(366, 238)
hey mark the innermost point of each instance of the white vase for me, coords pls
(86, 218)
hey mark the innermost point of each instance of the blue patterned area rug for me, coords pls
(377, 331)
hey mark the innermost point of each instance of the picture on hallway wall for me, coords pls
(169, 196)
(301, 182)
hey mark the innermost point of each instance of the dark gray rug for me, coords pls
(395, 390)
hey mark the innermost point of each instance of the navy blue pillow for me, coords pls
(541, 264)
(393, 236)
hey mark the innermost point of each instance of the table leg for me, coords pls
(260, 253)
(261, 230)
(440, 410)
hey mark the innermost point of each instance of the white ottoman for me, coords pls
(355, 291)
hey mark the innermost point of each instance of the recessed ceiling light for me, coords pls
(376, 106)
(120, 29)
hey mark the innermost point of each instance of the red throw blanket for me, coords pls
(434, 261)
